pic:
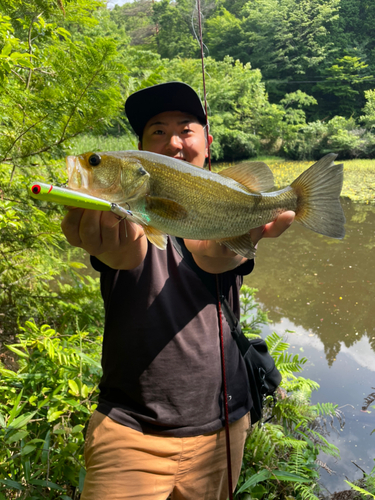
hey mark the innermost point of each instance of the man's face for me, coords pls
(178, 135)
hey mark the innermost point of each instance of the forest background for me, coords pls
(293, 78)
(289, 77)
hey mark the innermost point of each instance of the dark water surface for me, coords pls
(323, 291)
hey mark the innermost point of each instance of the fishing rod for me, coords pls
(219, 311)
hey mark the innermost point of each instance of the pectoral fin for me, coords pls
(156, 237)
(165, 208)
(242, 245)
(256, 176)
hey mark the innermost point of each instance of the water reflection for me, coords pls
(325, 286)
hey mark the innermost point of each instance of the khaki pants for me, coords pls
(124, 464)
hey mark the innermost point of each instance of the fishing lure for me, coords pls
(66, 196)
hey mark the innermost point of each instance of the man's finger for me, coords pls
(70, 226)
(278, 226)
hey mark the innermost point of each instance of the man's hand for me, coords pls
(119, 244)
(273, 229)
(216, 258)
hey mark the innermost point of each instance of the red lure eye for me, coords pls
(36, 189)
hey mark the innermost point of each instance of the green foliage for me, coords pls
(45, 406)
(339, 135)
(240, 115)
(365, 486)
(40, 275)
(369, 117)
(55, 86)
(174, 37)
(343, 84)
(283, 38)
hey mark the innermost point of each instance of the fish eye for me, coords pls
(94, 160)
(142, 171)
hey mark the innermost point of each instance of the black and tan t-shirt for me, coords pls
(161, 348)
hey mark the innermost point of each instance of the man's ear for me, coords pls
(140, 146)
(210, 139)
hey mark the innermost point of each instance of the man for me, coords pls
(158, 429)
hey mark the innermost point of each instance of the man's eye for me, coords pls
(186, 130)
(158, 132)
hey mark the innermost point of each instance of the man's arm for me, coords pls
(215, 258)
(119, 244)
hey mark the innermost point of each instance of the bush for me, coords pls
(45, 406)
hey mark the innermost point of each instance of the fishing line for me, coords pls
(219, 312)
(198, 5)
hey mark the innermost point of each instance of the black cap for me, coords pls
(141, 106)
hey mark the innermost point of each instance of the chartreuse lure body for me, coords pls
(66, 196)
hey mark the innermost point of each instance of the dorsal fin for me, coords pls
(256, 176)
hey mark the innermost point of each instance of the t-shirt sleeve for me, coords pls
(245, 268)
(98, 265)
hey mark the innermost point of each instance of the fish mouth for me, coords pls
(78, 177)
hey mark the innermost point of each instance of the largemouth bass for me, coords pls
(170, 196)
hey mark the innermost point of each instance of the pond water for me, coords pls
(321, 292)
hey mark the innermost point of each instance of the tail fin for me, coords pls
(318, 197)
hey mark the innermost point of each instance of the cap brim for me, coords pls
(141, 106)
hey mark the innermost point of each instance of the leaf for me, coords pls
(10, 373)
(53, 415)
(81, 479)
(77, 265)
(15, 410)
(29, 448)
(26, 468)
(77, 428)
(288, 476)
(73, 387)
(17, 351)
(47, 484)
(22, 420)
(361, 490)
(17, 436)
(46, 445)
(7, 49)
(12, 484)
(255, 479)
(89, 360)
(84, 391)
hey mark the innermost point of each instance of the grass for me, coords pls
(359, 175)
(86, 143)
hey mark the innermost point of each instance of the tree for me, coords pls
(342, 86)
(136, 19)
(240, 116)
(53, 86)
(286, 39)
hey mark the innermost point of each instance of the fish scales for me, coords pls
(204, 195)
